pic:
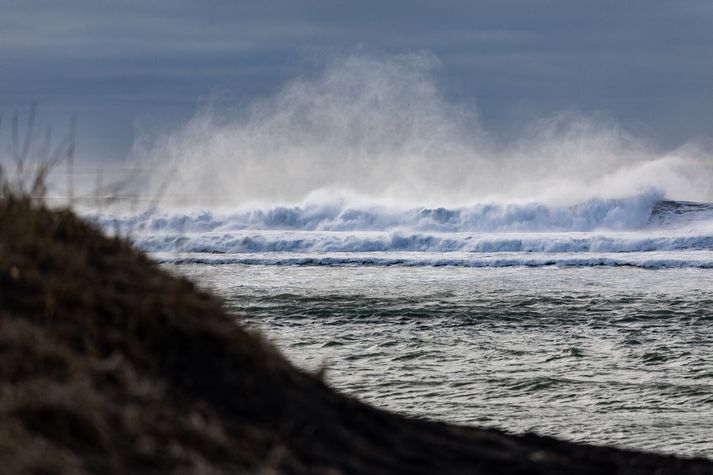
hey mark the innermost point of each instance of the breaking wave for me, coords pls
(643, 223)
(315, 242)
(597, 214)
(343, 161)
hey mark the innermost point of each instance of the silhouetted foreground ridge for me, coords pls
(110, 365)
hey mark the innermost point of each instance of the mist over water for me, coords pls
(377, 129)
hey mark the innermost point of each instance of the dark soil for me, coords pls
(110, 365)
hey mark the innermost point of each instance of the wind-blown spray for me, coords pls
(378, 130)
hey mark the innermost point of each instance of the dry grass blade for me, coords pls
(32, 165)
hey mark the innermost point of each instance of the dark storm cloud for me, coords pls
(646, 64)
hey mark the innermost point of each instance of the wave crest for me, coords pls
(597, 214)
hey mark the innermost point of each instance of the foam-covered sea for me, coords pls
(591, 322)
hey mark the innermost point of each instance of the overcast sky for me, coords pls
(646, 64)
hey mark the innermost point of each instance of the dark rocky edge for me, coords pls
(110, 365)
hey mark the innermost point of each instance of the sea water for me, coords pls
(591, 322)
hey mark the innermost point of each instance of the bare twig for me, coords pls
(20, 152)
(71, 148)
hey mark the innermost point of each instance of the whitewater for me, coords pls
(642, 231)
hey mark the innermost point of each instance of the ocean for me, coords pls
(590, 322)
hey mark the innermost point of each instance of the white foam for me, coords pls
(608, 214)
(697, 259)
(318, 242)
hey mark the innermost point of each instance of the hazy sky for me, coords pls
(648, 65)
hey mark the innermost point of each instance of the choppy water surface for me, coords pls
(609, 355)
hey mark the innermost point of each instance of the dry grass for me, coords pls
(110, 365)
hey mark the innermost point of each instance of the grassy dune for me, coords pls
(110, 365)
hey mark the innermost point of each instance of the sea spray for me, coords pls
(379, 127)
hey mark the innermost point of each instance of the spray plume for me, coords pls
(378, 130)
